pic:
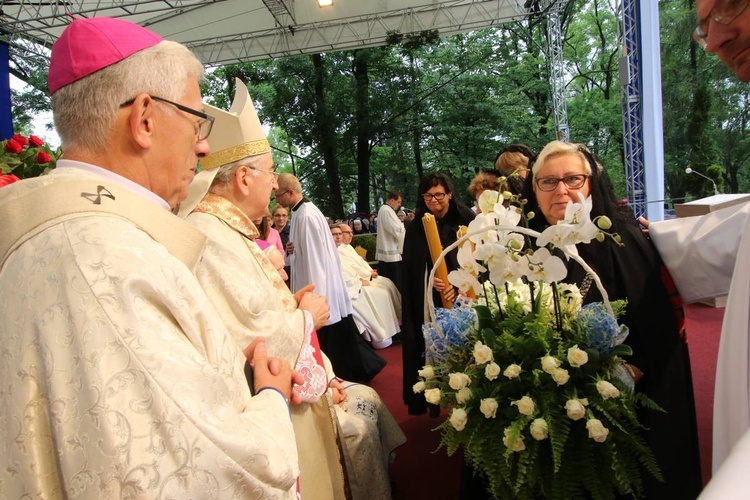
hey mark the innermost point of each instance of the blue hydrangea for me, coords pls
(450, 330)
(601, 328)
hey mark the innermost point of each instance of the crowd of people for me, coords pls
(169, 335)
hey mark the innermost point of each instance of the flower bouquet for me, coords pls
(540, 399)
(26, 157)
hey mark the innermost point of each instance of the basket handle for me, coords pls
(505, 228)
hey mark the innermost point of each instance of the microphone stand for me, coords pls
(691, 171)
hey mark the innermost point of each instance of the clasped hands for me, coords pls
(274, 373)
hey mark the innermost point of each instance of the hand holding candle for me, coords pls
(433, 242)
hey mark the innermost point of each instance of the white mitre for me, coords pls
(236, 134)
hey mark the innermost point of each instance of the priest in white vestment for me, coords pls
(375, 299)
(250, 295)
(119, 378)
(314, 261)
(702, 253)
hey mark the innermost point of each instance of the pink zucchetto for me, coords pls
(88, 45)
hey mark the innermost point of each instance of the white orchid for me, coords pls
(543, 266)
(576, 226)
(488, 200)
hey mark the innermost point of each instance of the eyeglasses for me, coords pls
(269, 172)
(205, 124)
(724, 12)
(277, 194)
(436, 196)
(336, 234)
(571, 182)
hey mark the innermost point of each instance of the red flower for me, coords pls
(20, 139)
(35, 141)
(42, 157)
(13, 146)
(7, 179)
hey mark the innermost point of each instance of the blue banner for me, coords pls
(6, 118)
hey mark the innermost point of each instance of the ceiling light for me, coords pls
(325, 3)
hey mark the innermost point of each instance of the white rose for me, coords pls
(513, 444)
(525, 405)
(607, 390)
(458, 418)
(418, 387)
(458, 380)
(597, 431)
(539, 429)
(576, 408)
(427, 372)
(432, 396)
(513, 371)
(482, 353)
(491, 371)
(561, 376)
(464, 395)
(488, 407)
(549, 363)
(577, 357)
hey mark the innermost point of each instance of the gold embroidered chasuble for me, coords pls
(254, 301)
(119, 378)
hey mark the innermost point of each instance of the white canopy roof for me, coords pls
(228, 31)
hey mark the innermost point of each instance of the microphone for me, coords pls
(691, 171)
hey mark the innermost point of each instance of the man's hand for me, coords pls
(645, 223)
(316, 305)
(274, 372)
(374, 273)
(364, 282)
(289, 248)
(339, 394)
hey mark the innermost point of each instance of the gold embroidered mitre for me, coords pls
(236, 134)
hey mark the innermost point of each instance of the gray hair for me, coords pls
(558, 148)
(85, 110)
(225, 173)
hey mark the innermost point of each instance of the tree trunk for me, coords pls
(327, 137)
(363, 130)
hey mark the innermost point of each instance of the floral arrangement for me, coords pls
(540, 399)
(26, 157)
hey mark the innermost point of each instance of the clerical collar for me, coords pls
(299, 203)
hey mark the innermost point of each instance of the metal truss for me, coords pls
(557, 69)
(631, 82)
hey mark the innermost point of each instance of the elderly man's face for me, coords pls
(730, 41)
(346, 233)
(178, 147)
(262, 182)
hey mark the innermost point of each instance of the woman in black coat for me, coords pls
(660, 364)
(436, 195)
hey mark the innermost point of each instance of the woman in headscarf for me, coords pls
(660, 364)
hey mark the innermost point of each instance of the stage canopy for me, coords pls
(230, 31)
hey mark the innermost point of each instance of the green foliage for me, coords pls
(368, 242)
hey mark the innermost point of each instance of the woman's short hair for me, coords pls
(85, 110)
(482, 182)
(558, 148)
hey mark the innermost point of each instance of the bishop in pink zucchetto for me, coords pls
(125, 381)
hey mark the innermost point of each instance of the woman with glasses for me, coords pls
(435, 196)
(660, 365)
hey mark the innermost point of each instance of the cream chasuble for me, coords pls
(254, 301)
(119, 378)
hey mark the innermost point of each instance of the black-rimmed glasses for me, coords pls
(205, 124)
(436, 196)
(571, 181)
(724, 12)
